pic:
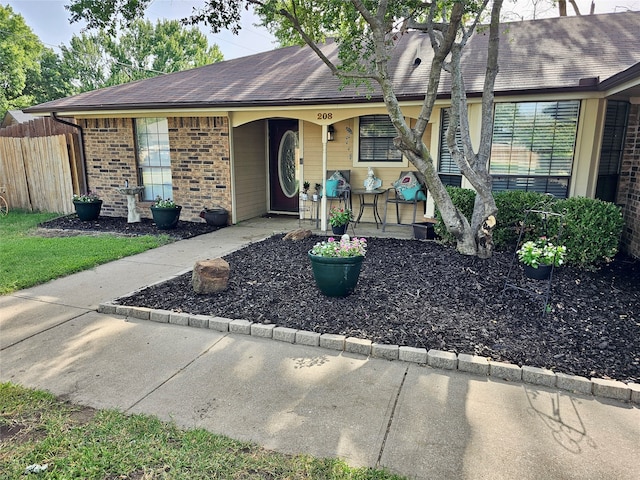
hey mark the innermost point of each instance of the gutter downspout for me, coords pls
(83, 167)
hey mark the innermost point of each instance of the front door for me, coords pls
(283, 182)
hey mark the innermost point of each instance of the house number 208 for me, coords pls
(325, 116)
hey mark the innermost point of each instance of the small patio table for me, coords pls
(362, 193)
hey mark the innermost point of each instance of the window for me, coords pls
(447, 168)
(376, 140)
(615, 128)
(154, 160)
(533, 146)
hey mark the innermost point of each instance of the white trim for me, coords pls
(232, 166)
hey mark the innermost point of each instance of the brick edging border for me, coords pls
(474, 364)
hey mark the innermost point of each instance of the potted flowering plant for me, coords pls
(165, 213)
(87, 205)
(540, 256)
(336, 264)
(339, 219)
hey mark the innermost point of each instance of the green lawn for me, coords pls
(27, 260)
(75, 442)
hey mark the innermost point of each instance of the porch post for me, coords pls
(323, 205)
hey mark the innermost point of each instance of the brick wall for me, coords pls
(629, 187)
(111, 159)
(200, 165)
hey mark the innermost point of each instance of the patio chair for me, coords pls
(338, 187)
(409, 189)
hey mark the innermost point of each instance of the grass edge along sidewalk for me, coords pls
(79, 442)
(27, 260)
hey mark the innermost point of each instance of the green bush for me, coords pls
(463, 199)
(511, 206)
(591, 230)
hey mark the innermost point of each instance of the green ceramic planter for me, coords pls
(88, 211)
(336, 276)
(166, 218)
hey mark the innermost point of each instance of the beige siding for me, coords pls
(250, 166)
(341, 155)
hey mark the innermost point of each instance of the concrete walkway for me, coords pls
(414, 420)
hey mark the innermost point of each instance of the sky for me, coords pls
(50, 21)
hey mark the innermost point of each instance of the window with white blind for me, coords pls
(533, 146)
(448, 169)
(154, 160)
(375, 140)
(615, 129)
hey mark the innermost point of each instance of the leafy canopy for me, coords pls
(20, 50)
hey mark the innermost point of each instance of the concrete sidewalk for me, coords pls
(412, 419)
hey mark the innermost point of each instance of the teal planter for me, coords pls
(336, 276)
(88, 211)
(166, 218)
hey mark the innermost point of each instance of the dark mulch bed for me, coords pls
(423, 294)
(71, 225)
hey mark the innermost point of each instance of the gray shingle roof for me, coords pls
(541, 55)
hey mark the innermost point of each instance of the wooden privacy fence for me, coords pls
(39, 166)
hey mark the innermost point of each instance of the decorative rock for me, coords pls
(311, 339)
(358, 345)
(573, 383)
(142, 313)
(413, 354)
(262, 330)
(388, 352)
(198, 321)
(176, 318)
(332, 341)
(240, 326)
(162, 316)
(220, 324)
(635, 392)
(440, 359)
(506, 371)
(284, 334)
(473, 364)
(210, 276)
(298, 234)
(611, 389)
(107, 308)
(538, 376)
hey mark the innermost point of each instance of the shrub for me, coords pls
(463, 199)
(591, 230)
(511, 206)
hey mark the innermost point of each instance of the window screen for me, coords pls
(154, 160)
(533, 146)
(376, 140)
(447, 167)
(615, 129)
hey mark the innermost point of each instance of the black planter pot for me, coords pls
(217, 217)
(339, 230)
(88, 211)
(166, 218)
(543, 272)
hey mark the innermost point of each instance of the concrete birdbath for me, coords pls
(132, 211)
